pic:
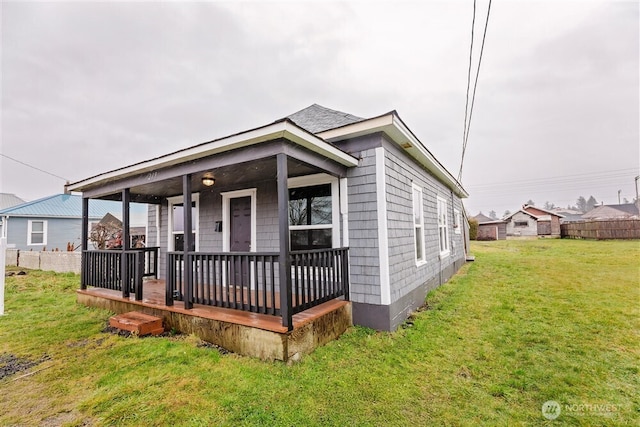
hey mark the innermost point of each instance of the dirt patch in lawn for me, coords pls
(10, 364)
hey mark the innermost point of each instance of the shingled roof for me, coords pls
(317, 118)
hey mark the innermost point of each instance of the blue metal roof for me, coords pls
(68, 206)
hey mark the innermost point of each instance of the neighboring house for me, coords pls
(624, 211)
(490, 229)
(8, 200)
(54, 222)
(568, 215)
(363, 198)
(548, 221)
(521, 224)
(533, 221)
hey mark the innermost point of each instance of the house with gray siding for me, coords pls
(54, 222)
(315, 206)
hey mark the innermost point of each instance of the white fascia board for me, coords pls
(394, 127)
(365, 127)
(268, 133)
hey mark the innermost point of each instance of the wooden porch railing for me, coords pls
(318, 276)
(250, 281)
(109, 269)
(239, 280)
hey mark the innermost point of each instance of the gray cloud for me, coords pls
(90, 87)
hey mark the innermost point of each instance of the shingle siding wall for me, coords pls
(363, 230)
(405, 274)
(409, 282)
(210, 211)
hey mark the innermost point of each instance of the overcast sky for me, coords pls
(91, 87)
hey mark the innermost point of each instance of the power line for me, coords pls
(465, 138)
(466, 105)
(581, 177)
(34, 167)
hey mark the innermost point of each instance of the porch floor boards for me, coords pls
(154, 297)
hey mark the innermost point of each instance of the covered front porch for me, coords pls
(269, 232)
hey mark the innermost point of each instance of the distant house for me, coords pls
(521, 224)
(568, 214)
(8, 200)
(624, 211)
(490, 229)
(533, 221)
(548, 221)
(55, 222)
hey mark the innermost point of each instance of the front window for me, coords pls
(521, 223)
(176, 224)
(443, 227)
(457, 221)
(311, 217)
(37, 233)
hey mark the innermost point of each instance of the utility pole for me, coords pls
(619, 191)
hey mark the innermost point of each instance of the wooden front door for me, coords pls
(240, 238)
(240, 227)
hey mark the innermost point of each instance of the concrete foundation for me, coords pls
(313, 328)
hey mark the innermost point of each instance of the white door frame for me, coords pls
(226, 205)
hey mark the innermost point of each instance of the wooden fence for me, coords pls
(602, 229)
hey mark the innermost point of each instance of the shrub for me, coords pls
(473, 228)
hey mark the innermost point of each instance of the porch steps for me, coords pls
(136, 322)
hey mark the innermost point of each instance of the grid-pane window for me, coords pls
(311, 217)
(418, 224)
(37, 233)
(443, 226)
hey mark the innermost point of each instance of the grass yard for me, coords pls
(526, 323)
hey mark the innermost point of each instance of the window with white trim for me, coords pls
(457, 222)
(176, 223)
(37, 232)
(311, 217)
(443, 227)
(418, 224)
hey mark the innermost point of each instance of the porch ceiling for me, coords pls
(227, 177)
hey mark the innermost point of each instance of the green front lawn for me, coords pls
(527, 322)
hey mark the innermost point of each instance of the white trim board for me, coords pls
(226, 204)
(383, 235)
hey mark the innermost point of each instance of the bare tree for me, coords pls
(101, 234)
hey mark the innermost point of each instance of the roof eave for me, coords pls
(282, 129)
(393, 126)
